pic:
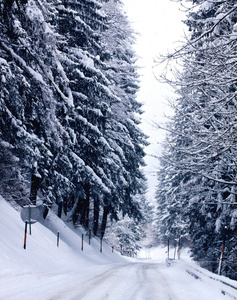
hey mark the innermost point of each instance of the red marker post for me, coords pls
(58, 239)
(25, 235)
(29, 214)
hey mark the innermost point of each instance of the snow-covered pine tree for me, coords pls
(68, 106)
(173, 177)
(27, 106)
(207, 105)
(12, 183)
(92, 70)
(122, 131)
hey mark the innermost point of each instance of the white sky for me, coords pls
(159, 25)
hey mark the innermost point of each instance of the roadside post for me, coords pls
(58, 239)
(101, 244)
(89, 236)
(82, 238)
(29, 215)
(25, 235)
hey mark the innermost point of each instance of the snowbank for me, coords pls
(44, 271)
(41, 251)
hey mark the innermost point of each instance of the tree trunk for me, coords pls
(78, 210)
(45, 211)
(86, 206)
(96, 214)
(35, 183)
(65, 204)
(60, 208)
(104, 221)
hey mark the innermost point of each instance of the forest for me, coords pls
(69, 134)
(197, 180)
(70, 139)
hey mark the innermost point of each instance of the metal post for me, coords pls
(58, 239)
(101, 244)
(30, 219)
(25, 235)
(82, 237)
(89, 236)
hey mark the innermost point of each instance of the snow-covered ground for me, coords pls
(44, 271)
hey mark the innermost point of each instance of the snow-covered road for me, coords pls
(148, 280)
(140, 281)
(44, 271)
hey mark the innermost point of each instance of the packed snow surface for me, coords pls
(44, 271)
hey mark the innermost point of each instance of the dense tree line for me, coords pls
(197, 180)
(69, 114)
(130, 235)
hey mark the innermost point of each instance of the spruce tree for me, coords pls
(203, 130)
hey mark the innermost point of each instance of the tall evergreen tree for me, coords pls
(204, 123)
(68, 106)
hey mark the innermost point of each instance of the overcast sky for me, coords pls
(159, 25)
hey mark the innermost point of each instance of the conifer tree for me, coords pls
(69, 108)
(203, 131)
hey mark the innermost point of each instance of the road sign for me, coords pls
(30, 214)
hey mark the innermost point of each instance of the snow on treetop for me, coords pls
(206, 5)
(33, 12)
(3, 61)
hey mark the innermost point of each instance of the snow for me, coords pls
(220, 16)
(3, 61)
(189, 281)
(44, 271)
(33, 12)
(206, 5)
(37, 76)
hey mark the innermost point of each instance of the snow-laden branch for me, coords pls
(37, 76)
(219, 180)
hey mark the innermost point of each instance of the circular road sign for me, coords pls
(30, 214)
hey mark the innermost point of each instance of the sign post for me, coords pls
(25, 235)
(58, 239)
(29, 215)
(101, 239)
(82, 238)
(89, 236)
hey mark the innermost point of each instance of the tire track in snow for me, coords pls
(140, 281)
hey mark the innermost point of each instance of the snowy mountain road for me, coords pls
(44, 271)
(140, 281)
